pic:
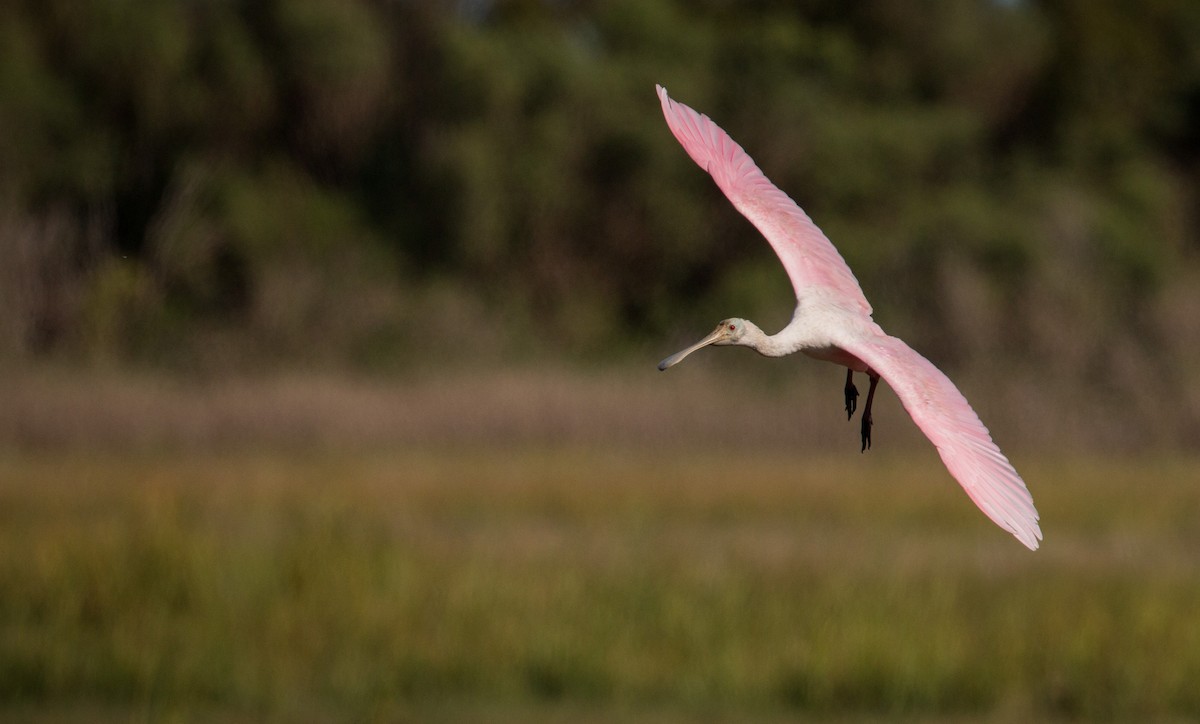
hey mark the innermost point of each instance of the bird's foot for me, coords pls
(866, 430)
(851, 399)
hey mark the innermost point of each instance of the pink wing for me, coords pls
(965, 445)
(807, 254)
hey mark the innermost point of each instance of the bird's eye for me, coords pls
(732, 327)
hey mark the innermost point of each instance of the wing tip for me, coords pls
(1031, 538)
(663, 97)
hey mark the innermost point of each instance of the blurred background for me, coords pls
(309, 308)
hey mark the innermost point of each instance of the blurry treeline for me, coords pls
(200, 183)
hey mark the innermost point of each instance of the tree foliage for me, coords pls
(233, 181)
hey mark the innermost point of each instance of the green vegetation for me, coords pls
(536, 581)
(211, 184)
(373, 186)
(247, 246)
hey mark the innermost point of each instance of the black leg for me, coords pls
(851, 394)
(866, 417)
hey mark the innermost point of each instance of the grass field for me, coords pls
(570, 584)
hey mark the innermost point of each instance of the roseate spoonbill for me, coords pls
(832, 322)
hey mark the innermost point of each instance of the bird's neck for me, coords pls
(765, 344)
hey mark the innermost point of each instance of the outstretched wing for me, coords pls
(807, 254)
(965, 445)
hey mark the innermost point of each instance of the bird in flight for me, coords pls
(832, 322)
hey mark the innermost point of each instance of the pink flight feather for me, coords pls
(807, 254)
(962, 440)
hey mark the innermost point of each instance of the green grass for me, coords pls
(578, 585)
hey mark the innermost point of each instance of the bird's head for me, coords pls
(728, 331)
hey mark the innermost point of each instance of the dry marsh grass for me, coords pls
(48, 409)
(568, 583)
(752, 402)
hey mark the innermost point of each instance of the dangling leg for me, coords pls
(866, 417)
(851, 394)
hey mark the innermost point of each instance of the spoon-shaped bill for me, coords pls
(717, 335)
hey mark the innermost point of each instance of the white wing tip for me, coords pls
(1023, 524)
(664, 99)
(1030, 535)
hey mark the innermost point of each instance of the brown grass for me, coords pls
(638, 408)
(749, 403)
